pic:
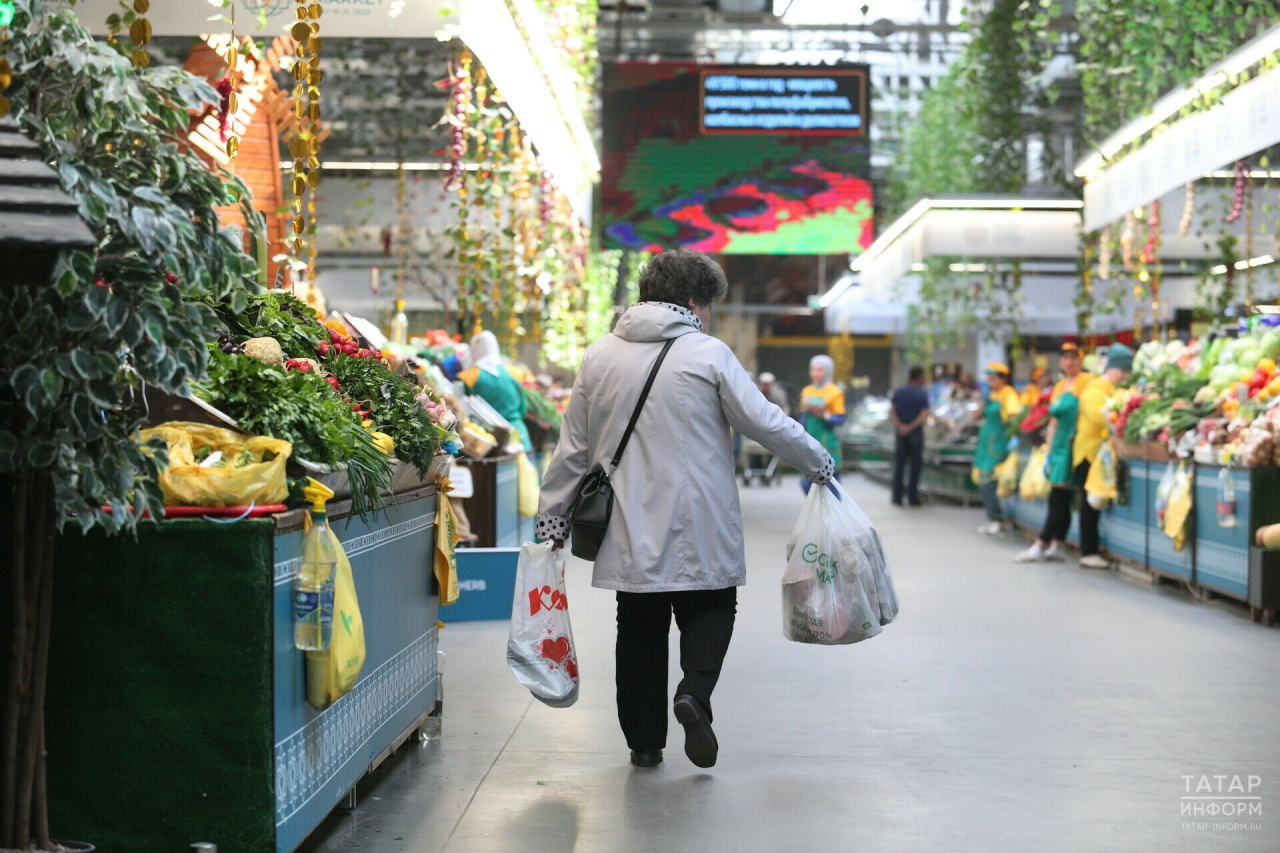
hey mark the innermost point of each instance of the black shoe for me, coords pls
(646, 757)
(699, 740)
(915, 503)
(896, 503)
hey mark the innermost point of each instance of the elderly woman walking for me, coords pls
(674, 542)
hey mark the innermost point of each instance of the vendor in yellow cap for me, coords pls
(1037, 388)
(1092, 429)
(1000, 412)
(1064, 408)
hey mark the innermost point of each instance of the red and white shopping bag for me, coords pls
(540, 648)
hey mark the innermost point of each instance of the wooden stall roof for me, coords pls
(34, 211)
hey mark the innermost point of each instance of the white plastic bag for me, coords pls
(540, 648)
(837, 588)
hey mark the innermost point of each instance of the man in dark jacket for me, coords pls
(909, 411)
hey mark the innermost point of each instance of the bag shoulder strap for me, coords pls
(644, 395)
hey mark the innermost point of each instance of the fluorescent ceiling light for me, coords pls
(919, 266)
(1256, 174)
(385, 166)
(1261, 260)
(1266, 309)
(1007, 204)
(969, 268)
(1168, 106)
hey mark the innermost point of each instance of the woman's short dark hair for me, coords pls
(683, 277)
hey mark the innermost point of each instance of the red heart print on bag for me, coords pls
(559, 651)
(555, 650)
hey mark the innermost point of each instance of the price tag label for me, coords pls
(460, 479)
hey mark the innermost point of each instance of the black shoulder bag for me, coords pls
(593, 505)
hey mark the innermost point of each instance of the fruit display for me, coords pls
(1216, 398)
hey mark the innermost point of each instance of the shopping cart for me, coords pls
(758, 464)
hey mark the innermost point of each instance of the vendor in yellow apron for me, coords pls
(1064, 408)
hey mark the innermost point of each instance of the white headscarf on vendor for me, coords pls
(486, 353)
(827, 365)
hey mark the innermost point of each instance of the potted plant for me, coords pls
(78, 349)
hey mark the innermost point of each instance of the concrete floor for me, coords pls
(1011, 708)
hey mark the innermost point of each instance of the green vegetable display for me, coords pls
(392, 405)
(279, 314)
(303, 409)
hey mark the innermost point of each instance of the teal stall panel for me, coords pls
(319, 756)
(1222, 553)
(1125, 525)
(1160, 553)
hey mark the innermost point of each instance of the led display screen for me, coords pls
(738, 159)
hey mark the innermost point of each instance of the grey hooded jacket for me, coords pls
(676, 522)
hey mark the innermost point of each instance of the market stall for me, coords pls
(199, 727)
(1194, 430)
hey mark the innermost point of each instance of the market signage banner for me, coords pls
(342, 18)
(969, 233)
(1245, 122)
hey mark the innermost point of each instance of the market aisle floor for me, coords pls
(1012, 708)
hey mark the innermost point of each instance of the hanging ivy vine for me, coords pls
(972, 131)
(1134, 51)
(515, 237)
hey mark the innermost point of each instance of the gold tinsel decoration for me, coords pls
(305, 147)
(140, 34)
(6, 76)
(232, 58)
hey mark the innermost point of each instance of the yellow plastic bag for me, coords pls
(251, 469)
(1178, 512)
(528, 486)
(1034, 485)
(1100, 486)
(331, 674)
(1007, 476)
(446, 560)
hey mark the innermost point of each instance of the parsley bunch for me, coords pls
(393, 406)
(303, 409)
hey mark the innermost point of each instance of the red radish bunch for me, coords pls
(298, 364)
(1130, 406)
(339, 343)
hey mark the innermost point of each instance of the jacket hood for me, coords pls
(656, 321)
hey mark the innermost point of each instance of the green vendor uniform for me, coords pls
(504, 393)
(1066, 408)
(993, 439)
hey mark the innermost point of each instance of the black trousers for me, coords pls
(705, 619)
(1058, 519)
(909, 448)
